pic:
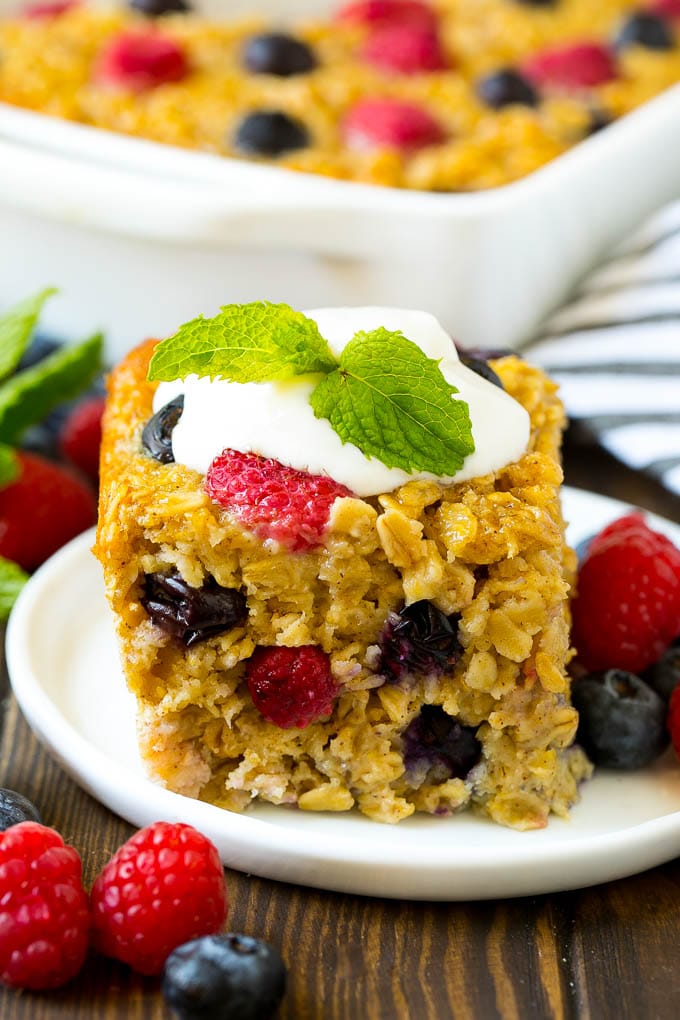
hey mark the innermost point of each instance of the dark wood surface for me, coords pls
(608, 952)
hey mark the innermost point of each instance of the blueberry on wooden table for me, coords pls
(224, 977)
(506, 87)
(15, 808)
(647, 30)
(279, 54)
(270, 133)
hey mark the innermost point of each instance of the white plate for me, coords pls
(64, 669)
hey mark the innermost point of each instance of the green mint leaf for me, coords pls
(9, 465)
(12, 580)
(27, 397)
(258, 342)
(392, 401)
(16, 328)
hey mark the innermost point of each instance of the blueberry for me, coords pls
(157, 434)
(486, 353)
(15, 808)
(270, 133)
(482, 368)
(537, 3)
(156, 8)
(505, 88)
(420, 639)
(440, 743)
(622, 721)
(192, 614)
(598, 121)
(276, 53)
(224, 977)
(582, 548)
(648, 30)
(664, 675)
(40, 348)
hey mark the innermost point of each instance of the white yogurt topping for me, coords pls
(276, 420)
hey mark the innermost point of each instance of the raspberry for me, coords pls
(160, 889)
(141, 60)
(44, 914)
(291, 687)
(46, 9)
(381, 12)
(81, 436)
(273, 500)
(627, 610)
(404, 49)
(385, 122)
(666, 8)
(673, 719)
(579, 66)
(41, 510)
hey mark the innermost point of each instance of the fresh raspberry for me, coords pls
(673, 720)
(81, 436)
(160, 889)
(291, 687)
(380, 12)
(141, 60)
(46, 9)
(43, 508)
(578, 66)
(665, 8)
(404, 48)
(627, 610)
(273, 500)
(44, 913)
(390, 123)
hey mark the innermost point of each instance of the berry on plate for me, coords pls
(46, 506)
(141, 60)
(627, 608)
(384, 122)
(273, 500)
(160, 889)
(622, 721)
(224, 977)
(574, 66)
(44, 914)
(81, 436)
(291, 687)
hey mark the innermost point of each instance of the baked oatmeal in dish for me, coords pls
(337, 563)
(456, 95)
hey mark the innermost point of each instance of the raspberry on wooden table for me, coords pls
(575, 66)
(44, 913)
(272, 500)
(81, 436)
(291, 687)
(160, 889)
(627, 608)
(46, 506)
(141, 60)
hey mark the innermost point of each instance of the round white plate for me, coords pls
(63, 664)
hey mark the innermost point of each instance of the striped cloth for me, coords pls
(615, 350)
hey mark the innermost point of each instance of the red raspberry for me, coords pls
(627, 610)
(291, 687)
(404, 49)
(665, 8)
(44, 913)
(673, 721)
(45, 9)
(380, 12)
(273, 500)
(141, 60)
(578, 66)
(81, 436)
(390, 123)
(43, 508)
(162, 888)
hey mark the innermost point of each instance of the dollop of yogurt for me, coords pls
(276, 420)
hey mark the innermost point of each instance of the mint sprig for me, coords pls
(16, 329)
(258, 342)
(12, 580)
(383, 395)
(9, 465)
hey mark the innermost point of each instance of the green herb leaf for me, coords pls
(12, 580)
(9, 465)
(27, 397)
(258, 342)
(392, 401)
(16, 328)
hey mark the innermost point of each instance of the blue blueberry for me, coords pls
(224, 977)
(279, 54)
(15, 808)
(644, 29)
(156, 8)
(481, 368)
(39, 348)
(506, 88)
(270, 133)
(439, 746)
(664, 675)
(422, 639)
(157, 433)
(622, 721)
(192, 614)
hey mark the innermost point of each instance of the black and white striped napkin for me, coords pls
(615, 350)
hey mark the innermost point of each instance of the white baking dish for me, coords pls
(140, 237)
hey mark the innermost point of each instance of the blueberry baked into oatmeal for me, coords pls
(455, 95)
(336, 557)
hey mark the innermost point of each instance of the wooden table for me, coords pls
(609, 952)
